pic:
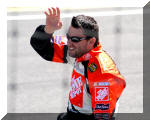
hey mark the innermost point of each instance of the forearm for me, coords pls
(40, 41)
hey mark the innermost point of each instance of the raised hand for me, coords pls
(53, 22)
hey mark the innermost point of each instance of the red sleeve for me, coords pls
(49, 47)
(60, 49)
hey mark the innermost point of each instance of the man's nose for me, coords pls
(69, 42)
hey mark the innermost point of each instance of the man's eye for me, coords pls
(75, 39)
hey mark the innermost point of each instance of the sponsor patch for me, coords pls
(101, 84)
(75, 86)
(101, 94)
(102, 106)
(92, 67)
(76, 89)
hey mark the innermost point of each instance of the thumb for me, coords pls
(60, 24)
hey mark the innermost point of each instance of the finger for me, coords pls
(46, 13)
(54, 11)
(50, 12)
(58, 11)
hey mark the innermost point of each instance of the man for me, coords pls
(96, 83)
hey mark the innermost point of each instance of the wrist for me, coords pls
(48, 30)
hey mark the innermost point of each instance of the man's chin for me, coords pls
(71, 55)
(74, 56)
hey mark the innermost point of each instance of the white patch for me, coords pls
(79, 68)
(101, 84)
(101, 94)
(75, 87)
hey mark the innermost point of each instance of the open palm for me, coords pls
(53, 20)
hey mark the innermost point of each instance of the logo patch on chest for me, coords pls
(76, 89)
(101, 94)
(92, 67)
(101, 106)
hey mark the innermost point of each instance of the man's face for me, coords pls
(77, 49)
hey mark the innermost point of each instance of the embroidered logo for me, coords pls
(101, 106)
(92, 67)
(102, 94)
(75, 87)
(101, 84)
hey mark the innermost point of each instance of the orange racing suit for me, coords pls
(96, 83)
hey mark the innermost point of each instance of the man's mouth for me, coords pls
(71, 48)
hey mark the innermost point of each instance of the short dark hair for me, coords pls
(88, 25)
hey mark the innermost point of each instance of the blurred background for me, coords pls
(39, 86)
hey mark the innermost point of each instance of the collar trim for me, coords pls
(90, 54)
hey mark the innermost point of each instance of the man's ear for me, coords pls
(92, 42)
